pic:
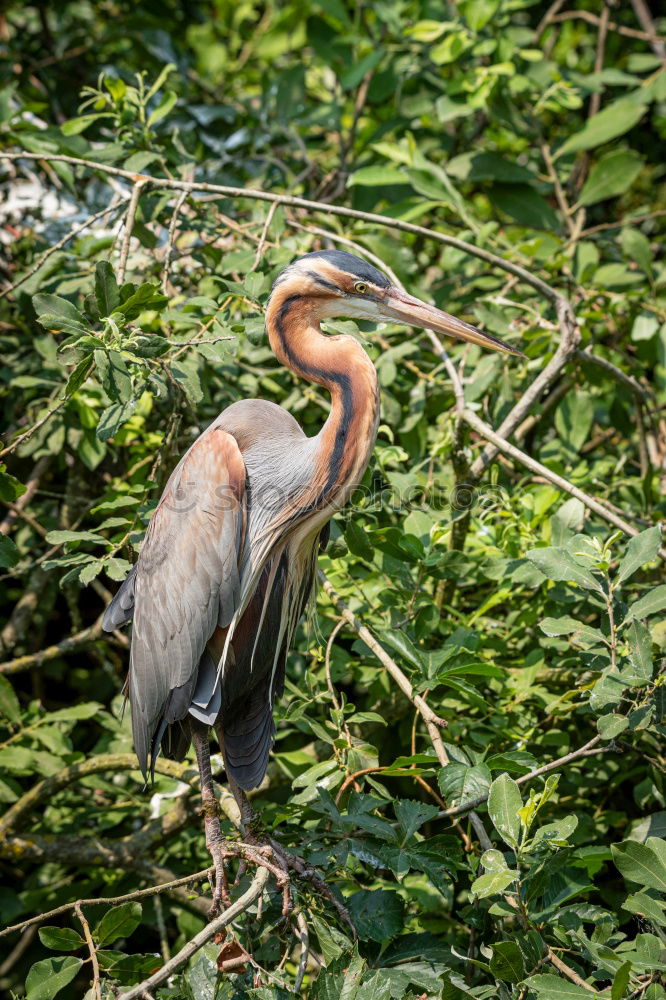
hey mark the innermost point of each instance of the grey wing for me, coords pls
(186, 583)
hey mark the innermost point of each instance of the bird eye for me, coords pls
(360, 287)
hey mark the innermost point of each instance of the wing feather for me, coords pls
(187, 579)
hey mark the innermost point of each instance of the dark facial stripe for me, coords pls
(323, 283)
(328, 378)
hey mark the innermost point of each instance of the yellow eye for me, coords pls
(360, 287)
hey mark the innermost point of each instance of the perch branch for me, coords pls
(254, 891)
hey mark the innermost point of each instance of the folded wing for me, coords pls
(184, 585)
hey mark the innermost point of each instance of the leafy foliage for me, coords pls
(517, 612)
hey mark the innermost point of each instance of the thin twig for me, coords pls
(82, 638)
(262, 239)
(96, 985)
(620, 376)
(47, 787)
(171, 237)
(30, 488)
(620, 29)
(61, 243)
(255, 890)
(127, 897)
(590, 749)
(567, 971)
(645, 17)
(432, 721)
(10, 449)
(139, 184)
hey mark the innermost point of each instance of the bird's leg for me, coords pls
(214, 840)
(248, 817)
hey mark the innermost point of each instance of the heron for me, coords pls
(228, 562)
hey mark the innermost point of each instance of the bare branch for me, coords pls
(432, 721)
(11, 448)
(542, 470)
(115, 762)
(225, 191)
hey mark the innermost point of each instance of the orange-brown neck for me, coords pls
(340, 365)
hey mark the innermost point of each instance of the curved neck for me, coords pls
(338, 363)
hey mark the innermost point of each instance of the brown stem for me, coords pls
(96, 985)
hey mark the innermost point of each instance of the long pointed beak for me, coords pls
(400, 307)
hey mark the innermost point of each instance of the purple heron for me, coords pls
(229, 559)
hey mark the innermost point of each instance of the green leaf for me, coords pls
(555, 834)
(411, 815)
(492, 883)
(146, 296)
(114, 375)
(645, 906)
(551, 987)
(525, 205)
(119, 922)
(639, 641)
(376, 914)
(379, 176)
(9, 554)
(611, 176)
(640, 863)
(59, 537)
(621, 981)
(649, 604)
(641, 549)
(353, 76)
(58, 306)
(60, 938)
(10, 487)
(113, 417)
(9, 703)
(614, 120)
(570, 626)
(507, 962)
(163, 108)
(559, 565)
(504, 802)
(610, 726)
(48, 977)
(107, 293)
(574, 418)
(636, 248)
(78, 376)
(460, 783)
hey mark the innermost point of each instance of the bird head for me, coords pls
(339, 284)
